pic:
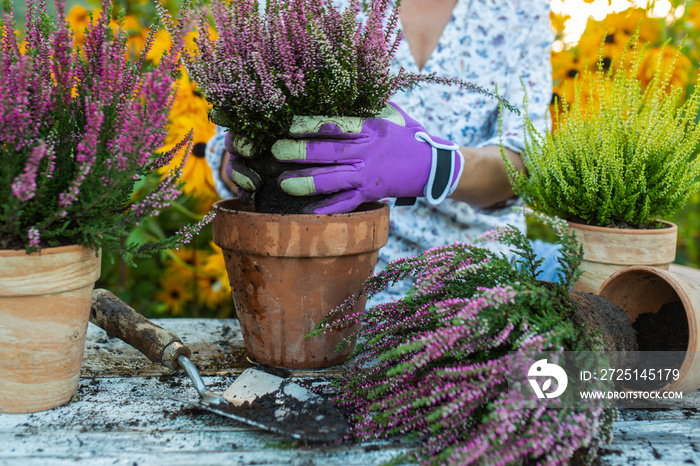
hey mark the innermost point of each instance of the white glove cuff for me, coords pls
(445, 169)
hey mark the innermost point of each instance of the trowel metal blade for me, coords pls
(219, 409)
(279, 405)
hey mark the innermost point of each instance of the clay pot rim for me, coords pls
(301, 235)
(670, 228)
(44, 251)
(369, 207)
(668, 278)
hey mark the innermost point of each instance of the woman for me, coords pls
(501, 45)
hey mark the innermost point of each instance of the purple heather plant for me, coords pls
(80, 131)
(299, 57)
(434, 365)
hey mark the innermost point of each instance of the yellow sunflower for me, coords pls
(565, 65)
(558, 22)
(78, 18)
(626, 23)
(692, 15)
(613, 33)
(213, 287)
(161, 43)
(187, 259)
(175, 293)
(189, 99)
(197, 176)
(215, 262)
(216, 287)
(137, 33)
(662, 59)
(191, 39)
(189, 112)
(590, 41)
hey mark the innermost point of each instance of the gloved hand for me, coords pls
(247, 180)
(361, 160)
(367, 159)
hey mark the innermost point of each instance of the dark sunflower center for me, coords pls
(198, 149)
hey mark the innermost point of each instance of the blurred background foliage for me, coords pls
(192, 281)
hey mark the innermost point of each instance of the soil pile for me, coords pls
(666, 330)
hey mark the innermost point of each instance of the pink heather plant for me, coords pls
(434, 365)
(80, 129)
(300, 57)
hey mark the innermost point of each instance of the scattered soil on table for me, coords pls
(172, 379)
(89, 389)
(585, 457)
(277, 371)
(666, 330)
(231, 358)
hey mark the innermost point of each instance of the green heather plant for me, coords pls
(620, 155)
(434, 365)
(80, 132)
(298, 57)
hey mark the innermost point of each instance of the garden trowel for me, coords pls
(256, 398)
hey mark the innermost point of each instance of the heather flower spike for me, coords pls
(434, 364)
(80, 130)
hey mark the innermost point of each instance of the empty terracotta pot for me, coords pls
(641, 289)
(44, 310)
(287, 272)
(606, 250)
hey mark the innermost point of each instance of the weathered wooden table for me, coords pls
(122, 415)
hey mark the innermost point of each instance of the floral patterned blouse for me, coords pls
(503, 44)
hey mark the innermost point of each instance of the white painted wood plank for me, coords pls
(129, 420)
(655, 442)
(122, 415)
(182, 447)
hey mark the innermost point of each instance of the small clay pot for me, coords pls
(642, 289)
(44, 310)
(287, 273)
(607, 250)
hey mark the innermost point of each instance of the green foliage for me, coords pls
(300, 58)
(619, 155)
(434, 365)
(80, 136)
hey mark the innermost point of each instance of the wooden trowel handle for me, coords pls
(119, 320)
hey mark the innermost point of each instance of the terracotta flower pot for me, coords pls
(287, 272)
(641, 289)
(606, 250)
(44, 310)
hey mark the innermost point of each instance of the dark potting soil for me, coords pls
(663, 335)
(666, 330)
(270, 199)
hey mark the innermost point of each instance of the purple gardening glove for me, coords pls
(367, 159)
(245, 179)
